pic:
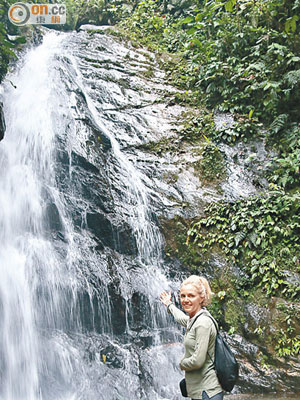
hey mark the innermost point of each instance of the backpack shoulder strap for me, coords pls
(217, 329)
(213, 320)
(199, 315)
(190, 327)
(208, 315)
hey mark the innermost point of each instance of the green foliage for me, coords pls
(212, 165)
(243, 130)
(81, 11)
(6, 45)
(241, 54)
(286, 169)
(287, 346)
(6, 52)
(198, 127)
(146, 24)
(97, 12)
(245, 59)
(260, 235)
(288, 341)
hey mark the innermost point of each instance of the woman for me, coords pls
(199, 339)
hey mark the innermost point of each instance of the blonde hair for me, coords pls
(201, 285)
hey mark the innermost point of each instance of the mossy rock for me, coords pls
(211, 167)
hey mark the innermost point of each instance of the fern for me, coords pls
(239, 237)
(284, 180)
(253, 238)
(296, 4)
(292, 78)
(279, 123)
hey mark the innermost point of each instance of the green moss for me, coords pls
(234, 317)
(174, 231)
(212, 165)
(162, 146)
(92, 32)
(170, 178)
(198, 124)
(148, 73)
(116, 31)
(167, 61)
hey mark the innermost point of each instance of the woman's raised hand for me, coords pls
(166, 298)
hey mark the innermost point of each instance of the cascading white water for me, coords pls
(42, 278)
(32, 273)
(26, 161)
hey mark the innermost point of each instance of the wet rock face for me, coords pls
(108, 193)
(254, 377)
(2, 122)
(101, 202)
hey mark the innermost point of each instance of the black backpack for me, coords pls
(226, 366)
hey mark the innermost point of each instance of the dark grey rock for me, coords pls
(2, 122)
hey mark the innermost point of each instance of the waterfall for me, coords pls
(27, 259)
(81, 252)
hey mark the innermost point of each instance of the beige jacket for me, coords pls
(199, 340)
